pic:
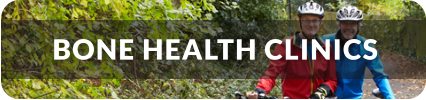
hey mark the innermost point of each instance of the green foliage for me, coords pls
(27, 44)
(372, 9)
(250, 19)
(250, 10)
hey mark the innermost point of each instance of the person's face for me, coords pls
(310, 24)
(348, 29)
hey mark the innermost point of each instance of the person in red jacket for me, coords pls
(301, 79)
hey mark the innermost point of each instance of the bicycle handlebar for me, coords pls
(238, 95)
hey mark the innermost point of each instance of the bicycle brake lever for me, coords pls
(238, 95)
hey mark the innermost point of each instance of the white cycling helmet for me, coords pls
(311, 8)
(349, 13)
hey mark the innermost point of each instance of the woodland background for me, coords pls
(26, 46)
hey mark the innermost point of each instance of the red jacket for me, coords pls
(299, 81)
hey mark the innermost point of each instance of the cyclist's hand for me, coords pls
(252, 95)
(322, 91)
(317, 95)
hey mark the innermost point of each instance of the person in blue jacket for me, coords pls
(350, 73)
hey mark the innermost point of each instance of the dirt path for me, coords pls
(407, 76)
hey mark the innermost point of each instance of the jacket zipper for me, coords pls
(312, 74)
(310, 66)
(312, 78)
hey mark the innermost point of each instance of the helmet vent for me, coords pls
(305, 6)
(356, 14)
(345, 13)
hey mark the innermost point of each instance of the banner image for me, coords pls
(213, 49)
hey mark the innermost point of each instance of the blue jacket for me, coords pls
(350, 73)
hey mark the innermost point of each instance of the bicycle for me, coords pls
(238, 95)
